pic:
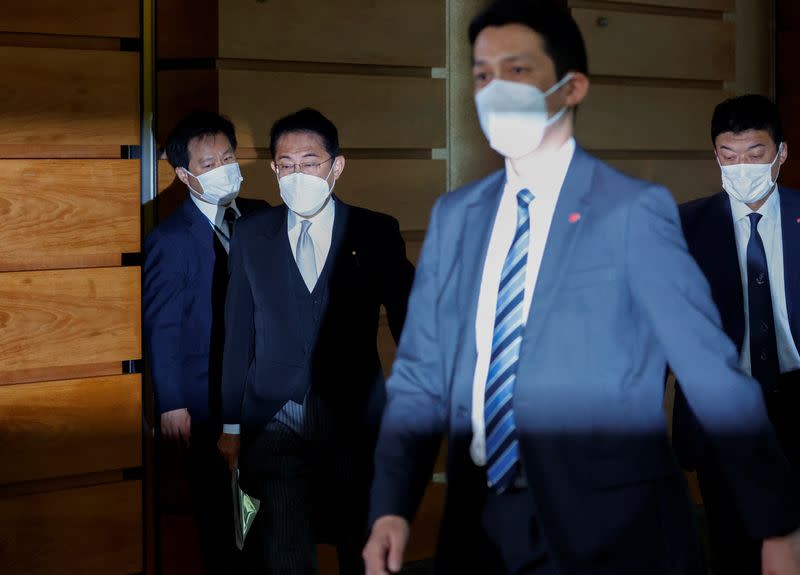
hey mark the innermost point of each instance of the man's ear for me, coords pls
(783, 154)
(338, 166)
(577, 89)
(182, 175)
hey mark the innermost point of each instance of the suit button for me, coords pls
(462, 411)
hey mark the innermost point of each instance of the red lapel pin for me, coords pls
(575, 216)
(798, 220)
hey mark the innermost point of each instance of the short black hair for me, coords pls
(748, 112)
(562, 38)
(306, 120)
(197, 124)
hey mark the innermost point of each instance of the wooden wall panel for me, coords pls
(405, 189)
(369, 111)
(687, 179)
(346, 31)
(719, 5)
(181, 92)
(87, 531)
(110, 18)
(68, 213)
(657, 46)
(646, 118)
(70, 427)
(52, 319)
(68, 97)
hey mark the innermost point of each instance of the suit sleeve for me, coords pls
(670, 289)
(415, 413)
(397, 279)
(163, 291)
(239, 334)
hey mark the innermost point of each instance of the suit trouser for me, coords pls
(210, 484)
(279, 468)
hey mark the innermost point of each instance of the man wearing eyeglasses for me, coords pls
(303, 388)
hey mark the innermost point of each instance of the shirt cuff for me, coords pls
(231, 428)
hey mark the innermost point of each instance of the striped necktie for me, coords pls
(502, 446)
(763, 343)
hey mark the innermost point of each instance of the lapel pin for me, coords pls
(798, 220)
(574, 217)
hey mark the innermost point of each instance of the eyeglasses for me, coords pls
(305, 167)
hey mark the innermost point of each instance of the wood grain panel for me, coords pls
(686, 179)
(70, 427)
(369, 111)
(68, 97)
(68, 213)
(720, 5)
(405, 189)
(87, 531)
(50, 319)
(646, 118)
(181, 92)
(657, 46)
(408, 33)
(114, 18)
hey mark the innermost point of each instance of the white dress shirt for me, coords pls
(216, 217)
(543, 176)
(769, 228)
(321, 232)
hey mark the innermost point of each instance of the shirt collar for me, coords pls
(323, 221)
(769, 210)
(214, 214)
(542, 172)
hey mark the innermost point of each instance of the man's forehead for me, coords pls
(744, 139)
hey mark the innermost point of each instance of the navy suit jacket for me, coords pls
(709, 231)
(178, 309)
(267, 359)
(618, 296)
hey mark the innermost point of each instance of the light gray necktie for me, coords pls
(306, 260)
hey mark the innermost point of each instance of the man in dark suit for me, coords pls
(548, 299)
(301, 370)
(746, 241)
(185, 277)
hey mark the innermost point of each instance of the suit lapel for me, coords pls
(572, 208)
(721, 259)
(274, 263)
(790, 231)
(198, 225)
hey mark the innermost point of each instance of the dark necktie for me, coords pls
(230, 218)
(502, 444)
(763, 345)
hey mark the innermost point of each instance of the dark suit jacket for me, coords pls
(708, 228)
(179, 299)
(265, 355)
(617, 297)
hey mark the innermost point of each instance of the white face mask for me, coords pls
(513, 115)
(220, 185)
(305, 194)
(749, 183)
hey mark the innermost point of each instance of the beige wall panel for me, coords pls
(657, 46)
(61, 318)
(68, 97)
(70, 427)
(113, 18)
(83, 531)
(68, 213)
(686, 179)
(405, 189)
(721, 5)
(386, 32)
(369, 111)
(646, 118)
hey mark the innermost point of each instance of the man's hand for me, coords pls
(229, 445)
(383, 553)
(176, 425)
(781, 555)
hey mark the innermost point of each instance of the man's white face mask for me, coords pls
(305, 194)
(513, 115)
(220, 185)
(749, 183)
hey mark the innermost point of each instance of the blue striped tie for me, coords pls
(502, 446)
